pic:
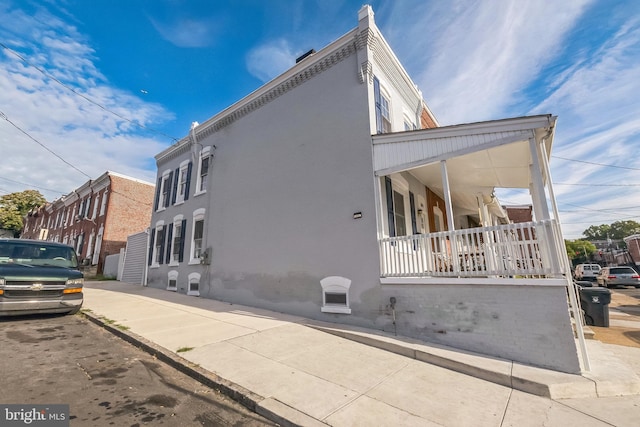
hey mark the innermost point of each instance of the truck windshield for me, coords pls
(37, 255)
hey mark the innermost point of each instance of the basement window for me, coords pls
(172, 281)
(194, 284)
(335, 295)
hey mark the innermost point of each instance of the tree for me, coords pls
(579, 251)
(616, 231)
(14, 206)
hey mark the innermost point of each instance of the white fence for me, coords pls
(531, 249)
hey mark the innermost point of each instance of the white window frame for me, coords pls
(201, 184)
(154, 256)
(400, 185)
(103, 207)
(95, 207)
(335, 285)
(182, 181)
(193, 279)
(385, 106)
(172, 275)
(164, 192)
(198, 215)
(177, 222)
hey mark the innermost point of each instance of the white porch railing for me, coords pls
(530, 249)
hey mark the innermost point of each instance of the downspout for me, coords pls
(145, 273)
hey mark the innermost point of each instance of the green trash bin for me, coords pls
(595, 305)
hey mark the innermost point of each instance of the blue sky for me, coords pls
(79, 76)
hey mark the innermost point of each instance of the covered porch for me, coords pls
(447, 245)
(458, 228)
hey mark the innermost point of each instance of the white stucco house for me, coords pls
(332, 193)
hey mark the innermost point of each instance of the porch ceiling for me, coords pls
(479, 156)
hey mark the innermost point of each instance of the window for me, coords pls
(163, 190)
(176, 236)
(156, 245)
(159, 245)
(386, 115)
(203, 170)
(103, 207)
(95, 208)
(335, 295)
(172, 281)
(194, 284)
(397, 194)
(198, 233)
(182, 182)
(382, 105)
(399, 217)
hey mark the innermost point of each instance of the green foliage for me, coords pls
(579, 251)
(616, 231)
(14, 206)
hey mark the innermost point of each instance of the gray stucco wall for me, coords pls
(285, 184)
(525, 323)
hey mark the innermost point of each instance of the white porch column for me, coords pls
(537, 183)
(447, 194)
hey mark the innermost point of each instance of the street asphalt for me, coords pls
(297, 371)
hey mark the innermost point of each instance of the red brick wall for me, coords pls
(129, 208)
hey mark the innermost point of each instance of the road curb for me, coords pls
(269, 408)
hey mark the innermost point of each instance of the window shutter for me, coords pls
(183, 232)
(376, 95)
(176, 175)
(412, 204)
(169, 181)
(390, 216)
(187, 185)
(153, 235)
(162, 236)
(169, 236)
(414, 222)
(157, 200)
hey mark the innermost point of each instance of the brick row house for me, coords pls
(331, 192)
(95, 218)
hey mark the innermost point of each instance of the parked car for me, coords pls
(586, 271)
(38, 277)
(618, 276)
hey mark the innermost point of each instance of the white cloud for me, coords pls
(86, 135)
(270, 59)
(186, 32)
(472, 59)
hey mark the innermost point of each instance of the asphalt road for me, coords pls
(106, 381)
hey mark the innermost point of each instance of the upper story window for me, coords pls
(183, 182)
(103, 207)
(203, 170)
(163, 190)
(95, 208)
(383, 109)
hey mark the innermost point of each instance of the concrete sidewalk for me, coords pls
(296, 371)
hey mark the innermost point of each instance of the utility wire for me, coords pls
(4, 116)
(23, 59)
(31, 185)
(597, 164)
